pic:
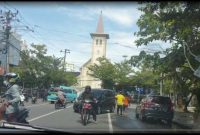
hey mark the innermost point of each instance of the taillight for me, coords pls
(148, 104)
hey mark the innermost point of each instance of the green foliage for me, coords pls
(178, 23)
(36, 69)
(105, 71)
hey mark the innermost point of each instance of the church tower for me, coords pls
(99, 41)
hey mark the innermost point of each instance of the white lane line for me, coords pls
(110, 123)
(47, 114)
(36, 105)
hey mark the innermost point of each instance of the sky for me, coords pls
(67, 25)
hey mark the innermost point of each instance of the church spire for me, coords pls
(100, 25)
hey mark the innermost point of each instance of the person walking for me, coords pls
(120, 101)
(125, 103)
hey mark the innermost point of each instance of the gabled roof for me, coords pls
(87, 63)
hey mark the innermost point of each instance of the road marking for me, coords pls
(36, 105)
(110, 123)
(47, 114)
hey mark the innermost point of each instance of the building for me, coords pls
(70, 67)
(14, 49)
(24, 45)
(99, 42)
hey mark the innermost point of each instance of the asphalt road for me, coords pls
(44, 115)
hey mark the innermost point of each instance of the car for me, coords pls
(52, 95)
(155, 107)
(69, 92)
(105, 100)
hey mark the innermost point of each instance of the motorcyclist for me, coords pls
(12, 95)
(61, 96)
(87, 94)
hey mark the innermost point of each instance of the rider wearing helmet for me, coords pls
(88, 95)
(61, 96)
(12, 95)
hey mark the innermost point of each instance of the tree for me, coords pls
(168, 21)
(122, 77)
(105, 71)
(148, 74)
(39, 70)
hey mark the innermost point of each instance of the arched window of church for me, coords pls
(97, 42)
(100, 42)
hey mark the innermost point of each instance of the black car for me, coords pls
(155, 107)
(105, 100)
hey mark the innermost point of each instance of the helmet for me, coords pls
(11, 77)
(88, 89)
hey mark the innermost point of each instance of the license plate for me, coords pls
(87, 105)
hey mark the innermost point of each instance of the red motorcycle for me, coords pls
(86, 111)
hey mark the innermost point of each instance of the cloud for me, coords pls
(122, 43)
(76, 13)
(125, 15)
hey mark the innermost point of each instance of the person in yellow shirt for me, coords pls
(120, 101)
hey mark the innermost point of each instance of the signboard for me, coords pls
(140, 90)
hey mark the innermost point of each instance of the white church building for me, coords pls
(99, 42)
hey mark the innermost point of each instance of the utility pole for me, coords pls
(6, 18)
(65, 52)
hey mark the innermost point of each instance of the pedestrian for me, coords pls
(126, 102)
(44, 97)
(120, 100)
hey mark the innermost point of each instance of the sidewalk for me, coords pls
(183, 119)
(186, 119)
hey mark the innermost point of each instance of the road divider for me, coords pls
(47, 114)
(110, 123)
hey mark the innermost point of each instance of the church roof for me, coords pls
(100, 28)
(84, 65)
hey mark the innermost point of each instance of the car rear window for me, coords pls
(97, 93)
(160, 100)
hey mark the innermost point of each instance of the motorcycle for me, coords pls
(59, 104)
(19, 117)
(34, 100)
(86, 111)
